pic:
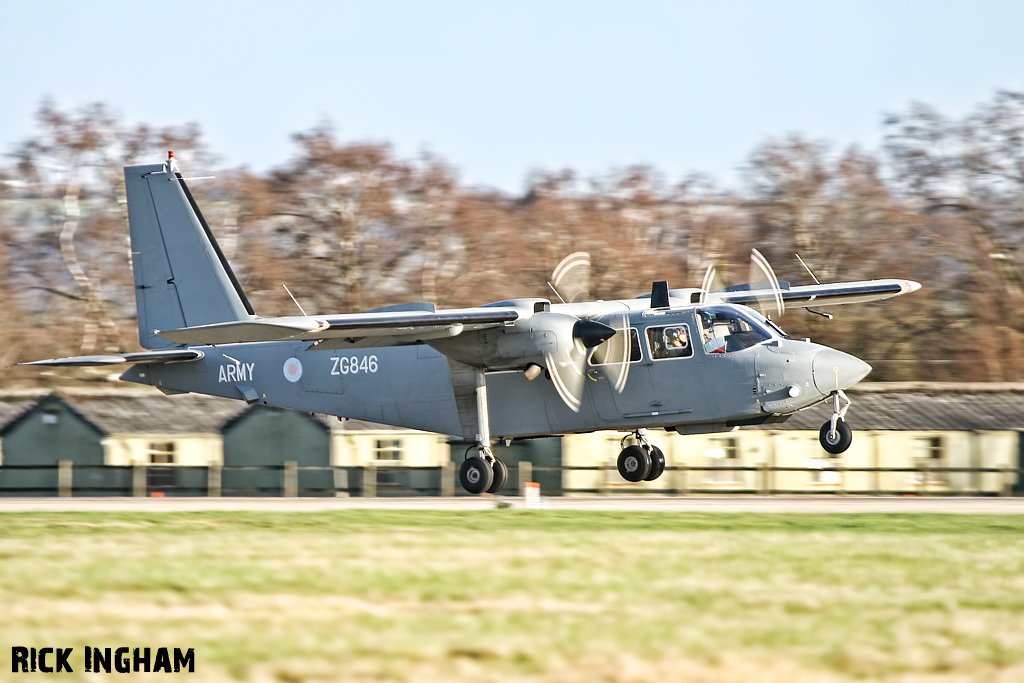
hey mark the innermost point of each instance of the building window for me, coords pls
(389, 451)
(823, 469)
(929, 454)
(158, 474)
(723, 456)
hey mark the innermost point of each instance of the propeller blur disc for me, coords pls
(566, 369)
(571, 277)
(618, 353)
(708, 283)
(761, 271)
(613, 356)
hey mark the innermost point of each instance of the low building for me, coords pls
(117, 428)
(268, 437)
(930, 439)
(920, 429)
(42, 433)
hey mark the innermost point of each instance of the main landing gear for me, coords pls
(641, 461)
(484, 472)
(835, 435)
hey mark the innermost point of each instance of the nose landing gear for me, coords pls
(641, 461)
(835, 435)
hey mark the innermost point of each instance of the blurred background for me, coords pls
(454, 154)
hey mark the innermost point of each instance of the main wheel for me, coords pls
(657, 464)
(634, 463)
(476, 474)
(835, 443)
(500, 470)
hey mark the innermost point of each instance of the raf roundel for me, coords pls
(292, 370)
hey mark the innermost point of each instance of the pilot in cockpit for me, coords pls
(712, 343)
(675, 338)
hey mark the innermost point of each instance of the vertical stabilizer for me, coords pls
(181, 276)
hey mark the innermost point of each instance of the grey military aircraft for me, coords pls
(688, 361)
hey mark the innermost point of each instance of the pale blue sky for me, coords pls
(501, 88)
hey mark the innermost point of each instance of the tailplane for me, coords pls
(182, 278)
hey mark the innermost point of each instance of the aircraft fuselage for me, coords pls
(694, 390)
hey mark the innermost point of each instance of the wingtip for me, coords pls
(909, 286)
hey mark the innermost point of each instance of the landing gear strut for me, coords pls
(835, 435)
(484, 472)
(642, 461)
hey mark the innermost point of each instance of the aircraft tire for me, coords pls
(476, 475)
(657, 464)
(634, 463)
(842, 440)
(500, 470)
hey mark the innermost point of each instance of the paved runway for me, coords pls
(848, 504)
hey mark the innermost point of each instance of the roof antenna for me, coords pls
(660, 296)
(293, 299)
(556, 292)
(807, 269)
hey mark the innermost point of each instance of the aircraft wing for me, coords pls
(819, 295)
(164, 356)
(399, 327)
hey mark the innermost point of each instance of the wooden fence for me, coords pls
(289, 480)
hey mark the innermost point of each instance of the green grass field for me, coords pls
(525, 595)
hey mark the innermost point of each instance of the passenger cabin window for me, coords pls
(725, 329)
(669, 342)
(610, 351)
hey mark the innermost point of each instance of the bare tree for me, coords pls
(973, 169)
(334, 207)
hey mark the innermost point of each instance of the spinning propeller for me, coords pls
(762, 282)
(571, 278)
(566, 365)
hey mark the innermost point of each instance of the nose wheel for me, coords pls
(835, 435)
(641, 461)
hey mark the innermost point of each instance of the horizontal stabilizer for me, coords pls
(167, 356)
(820, 295)
(270, 329)
(408, 324)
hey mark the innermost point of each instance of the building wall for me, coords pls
(190, 450)
(270, 437)
(418, 449)
(49, 433)
(800, 449)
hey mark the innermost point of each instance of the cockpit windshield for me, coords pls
(726, 329)
(771, 323)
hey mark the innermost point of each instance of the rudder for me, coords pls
(182, 278)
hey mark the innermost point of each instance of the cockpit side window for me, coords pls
(669, 342)
(725, 329)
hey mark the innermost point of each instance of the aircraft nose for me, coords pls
(834, 370)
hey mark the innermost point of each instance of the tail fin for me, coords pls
(181, 276)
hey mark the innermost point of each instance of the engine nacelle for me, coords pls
(535, 335)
